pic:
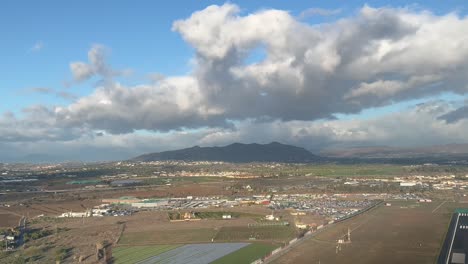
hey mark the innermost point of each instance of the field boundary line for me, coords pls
(435, 209)
(122, 229)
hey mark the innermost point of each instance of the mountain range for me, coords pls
(237, 152)
(277, 152)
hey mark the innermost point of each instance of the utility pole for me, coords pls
(349, 235)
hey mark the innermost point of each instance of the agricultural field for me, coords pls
(130, 255)
(366, 170)
(243, 233)
(216, 215)
(247, 254)
(153, 228)
(406, 232)
(8, 219)
(182, 254)
(168, 236)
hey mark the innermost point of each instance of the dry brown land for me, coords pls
(7, 219)
(147, 228)
(47, 207)
(80, 235)
(406, 232)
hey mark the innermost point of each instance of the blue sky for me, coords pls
(41, 40)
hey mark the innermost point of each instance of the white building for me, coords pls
(227, 216)
(76, 214)
(408, 184)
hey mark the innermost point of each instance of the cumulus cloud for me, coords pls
(379, 56)
(172, 104)
(310, 73)
(97, 66)
(36, 123)
(418, 125)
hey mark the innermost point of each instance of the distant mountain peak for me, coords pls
(236, 152)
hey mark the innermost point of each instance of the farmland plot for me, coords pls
(242, 233)
(129, 255)
(195, 253)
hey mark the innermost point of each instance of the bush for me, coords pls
(36, 234)
(61, 254)
(19, 260)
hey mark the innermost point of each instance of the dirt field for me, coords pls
(8, 219)
(149, 228)
(406, 232)
(242, 233)
(47, 207)
(175, 190)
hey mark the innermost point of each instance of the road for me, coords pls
(22, 228)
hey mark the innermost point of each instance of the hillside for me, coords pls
(237, 152)
(384, 152)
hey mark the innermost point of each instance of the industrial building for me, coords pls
(122, 200)
(151, 203)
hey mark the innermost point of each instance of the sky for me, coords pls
(107, 80)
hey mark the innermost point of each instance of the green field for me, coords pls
(129, 255)
(219, 215)
(247, 254)
(331, 170)
(168, 236)
(241, 233)
(355, 170)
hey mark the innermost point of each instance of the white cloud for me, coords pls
(38, 46)
(379, 56)
(81, 71)
(97, 66)
(418, 125)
